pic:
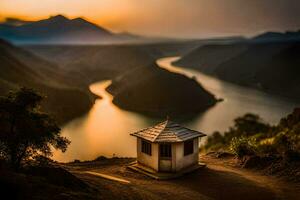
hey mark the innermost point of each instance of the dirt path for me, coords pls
(219, 180)
(279, 188)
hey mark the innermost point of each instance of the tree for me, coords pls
(25, 131)
(214, 141)
(247, 125)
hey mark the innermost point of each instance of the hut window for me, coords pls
(146, 147)
(165, 150)
(188, 147)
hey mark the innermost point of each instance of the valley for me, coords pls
(149, 100)
(268, 62)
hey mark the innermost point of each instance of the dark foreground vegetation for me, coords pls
(27, 137)
(258, 145)
(25, 131)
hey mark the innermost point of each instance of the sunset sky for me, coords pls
(175, 18)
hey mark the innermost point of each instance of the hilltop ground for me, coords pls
(221, 179)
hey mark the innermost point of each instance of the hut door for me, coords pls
(165, 157)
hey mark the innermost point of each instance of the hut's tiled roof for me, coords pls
(167, 131)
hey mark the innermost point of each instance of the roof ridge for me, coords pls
(174, 123)
(166, 122)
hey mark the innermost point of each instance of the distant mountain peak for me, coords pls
(61, 29)
(59, 18)
(278, 36)
(79, 19)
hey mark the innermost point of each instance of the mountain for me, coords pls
(157, 92)
(99, 62)
(243, 68)
(56, 29)
(96, 62)
(271, 67)
(281, 74)
(21, 68)
(277, 36)
(268, 66)
(132, 70)
(207, 58)
(61, 30)
(15, 21)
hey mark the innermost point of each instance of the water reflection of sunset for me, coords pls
(103, 131)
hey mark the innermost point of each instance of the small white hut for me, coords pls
(168, 147)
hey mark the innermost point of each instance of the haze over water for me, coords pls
(105, 129)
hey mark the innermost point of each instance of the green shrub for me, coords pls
(242, 146)
(244, 126)
(247, 125)
(250, 135)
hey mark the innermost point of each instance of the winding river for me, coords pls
(105, 129)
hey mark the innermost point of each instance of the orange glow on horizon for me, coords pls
(109, 22)
(193, 18)
(105, 13)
